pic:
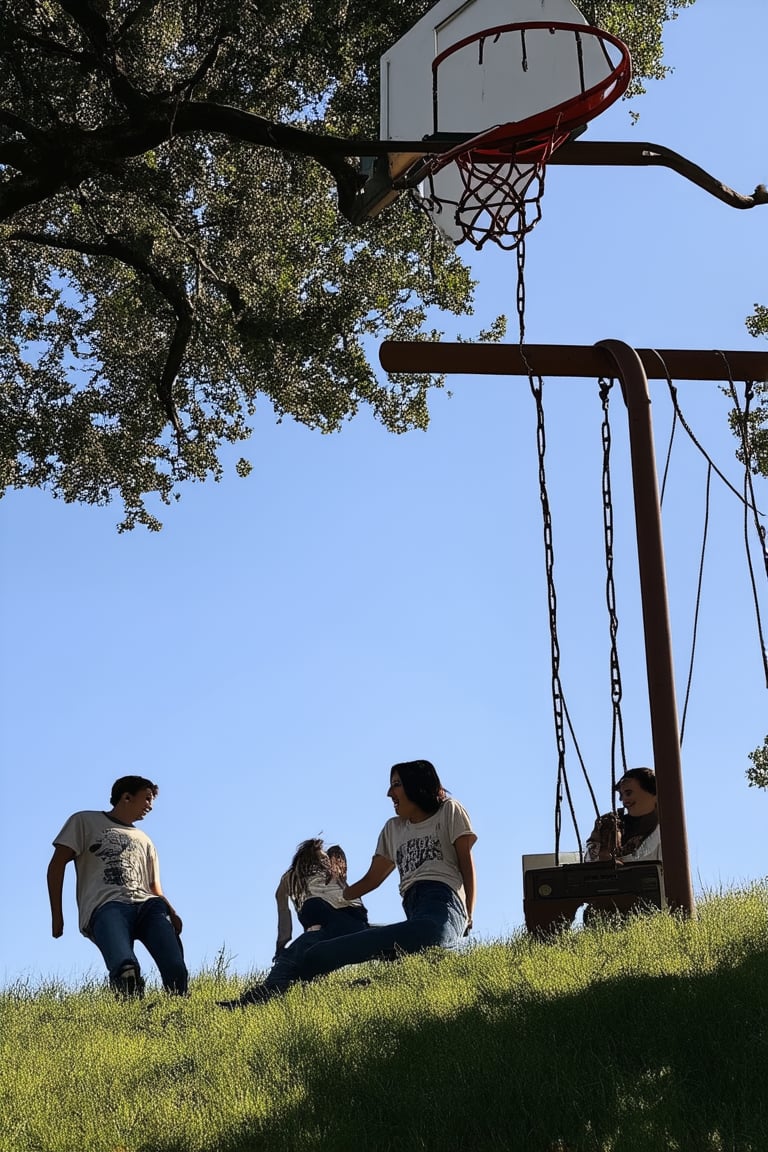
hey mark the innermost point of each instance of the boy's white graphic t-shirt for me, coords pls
(113, 861)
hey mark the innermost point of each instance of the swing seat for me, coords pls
(552, 894)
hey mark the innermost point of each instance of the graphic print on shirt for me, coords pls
(123, 858)
(417, 851)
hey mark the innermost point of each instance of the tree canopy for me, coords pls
(757, 773)
(171, 245)
(757, 417)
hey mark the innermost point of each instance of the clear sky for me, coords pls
(363, 598)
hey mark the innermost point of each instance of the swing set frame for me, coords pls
(633, 368)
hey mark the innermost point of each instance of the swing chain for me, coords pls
(559, 706)
(558, 703)
(610, 587)
(520, 296)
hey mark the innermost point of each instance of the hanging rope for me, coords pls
(678, 415)
(747, 498)
(617, 725)
(749, 501)
(699, 584)
(669, 453)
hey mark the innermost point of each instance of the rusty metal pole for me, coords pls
(568, 360)
(659, 662)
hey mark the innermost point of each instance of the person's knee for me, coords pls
(425, 934)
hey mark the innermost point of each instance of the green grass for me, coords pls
(642, 1037)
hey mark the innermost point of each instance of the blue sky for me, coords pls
(363, 598)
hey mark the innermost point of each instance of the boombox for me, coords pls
(553, 894)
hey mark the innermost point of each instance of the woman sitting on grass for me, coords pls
(315, 884)
(429, 840)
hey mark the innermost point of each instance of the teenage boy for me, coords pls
(119, 897)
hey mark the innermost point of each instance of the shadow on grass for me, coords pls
(632, 1065)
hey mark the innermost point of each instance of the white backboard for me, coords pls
(506, 81)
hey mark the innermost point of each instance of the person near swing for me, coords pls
(314, 883)
(631, 834)
(429, 840)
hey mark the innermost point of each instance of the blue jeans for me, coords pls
(435, 918)
(114, 928)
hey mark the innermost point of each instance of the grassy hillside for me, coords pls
(640, 1038)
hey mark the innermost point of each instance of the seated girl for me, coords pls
(315, 884)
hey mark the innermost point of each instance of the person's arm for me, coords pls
(463, 846)
(55, 877)
(603, 840)
(284, 922)
(377, 873)
(156, 890)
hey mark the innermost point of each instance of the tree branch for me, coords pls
(144, 8)
(23, 127)
(204, 66)
(173, 291)
(23, 191)
(173, 361)
(47, 45)
(229, 290)
(99, 35)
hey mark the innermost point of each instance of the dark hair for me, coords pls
(131, 785)
(645, 777)
(307, 853)
(421, 784)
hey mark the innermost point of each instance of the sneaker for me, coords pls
(129, 984)
(258, 994)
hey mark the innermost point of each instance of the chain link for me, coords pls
(559, 707)
(558, 704)
(617, 727)
(520, 296)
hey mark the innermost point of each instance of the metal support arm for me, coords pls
(622, 152)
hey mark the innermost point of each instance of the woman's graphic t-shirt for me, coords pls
(425, 851)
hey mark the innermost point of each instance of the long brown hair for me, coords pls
(309, 860)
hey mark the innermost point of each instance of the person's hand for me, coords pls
(57, 927)
(175, 921)
(468, 928)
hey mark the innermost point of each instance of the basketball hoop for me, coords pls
(501, 170)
